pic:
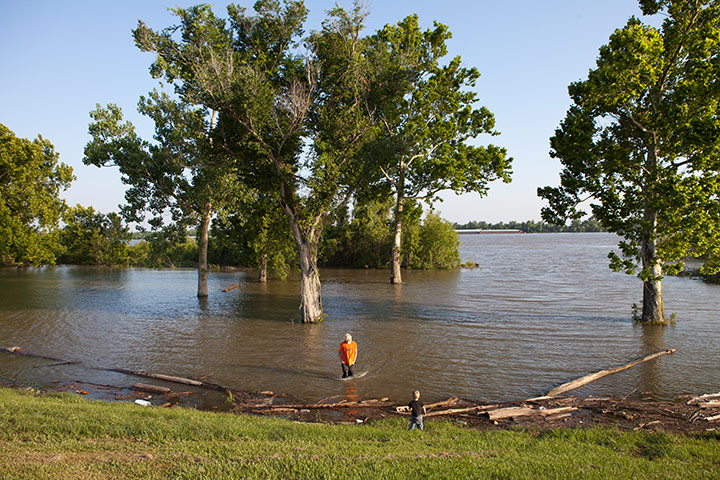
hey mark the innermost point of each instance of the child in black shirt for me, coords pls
(417, 410)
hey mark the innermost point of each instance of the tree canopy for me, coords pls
(31, 180)
(94, 238)
(428, 121)
(293, 122)
(641, 144)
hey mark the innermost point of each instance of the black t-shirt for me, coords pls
(416, 406)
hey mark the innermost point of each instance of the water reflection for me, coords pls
(652, 337)
(541, 310)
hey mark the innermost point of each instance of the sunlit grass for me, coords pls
(64, 436)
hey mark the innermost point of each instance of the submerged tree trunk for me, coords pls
(311, 296)
(202, 290)
(263, 269)
(396, 277)
(653, 310)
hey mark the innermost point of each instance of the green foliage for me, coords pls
(166, 249)
(363, 243)
(31, 180)
(641, 141)
(428, 116)
(437, 246)
(643, 135)
(257, 233)
(366, 241)
(93, 238)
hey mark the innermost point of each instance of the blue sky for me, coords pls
(61, 58)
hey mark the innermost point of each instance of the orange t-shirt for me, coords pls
(348, 352)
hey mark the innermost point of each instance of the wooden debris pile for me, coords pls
(708, 407)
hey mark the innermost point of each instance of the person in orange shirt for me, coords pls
(348, 355)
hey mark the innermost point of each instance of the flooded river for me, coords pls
(542, 309)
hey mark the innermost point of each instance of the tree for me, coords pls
(641, 143)
(93, 238)
(363, 241)
(427, 122)
(180, 174)
(293, 123)
(256, 235)
(436, 246)
(31, 180)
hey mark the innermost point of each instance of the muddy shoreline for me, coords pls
(543, 413)
(558, 409)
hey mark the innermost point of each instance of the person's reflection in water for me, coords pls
(352, 395)
(351, 392)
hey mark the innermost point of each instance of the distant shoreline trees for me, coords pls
(588, 225)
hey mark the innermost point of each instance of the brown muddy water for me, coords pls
(542, 309)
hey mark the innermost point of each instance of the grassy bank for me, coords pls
(61, 436)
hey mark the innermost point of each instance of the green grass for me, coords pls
(62, 436)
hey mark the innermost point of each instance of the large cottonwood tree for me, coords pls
(642, 144)
(31, 180)
(428, 121)
(294, 122)
(178, 175)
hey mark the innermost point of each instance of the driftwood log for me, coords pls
(510, 412)
(144, 387)
(704, 398)
(582, 381)
(231, 287)
(453, 411)
(320, 406)
(170, 378)
(157, 376)
(404, 409)
(18, 351)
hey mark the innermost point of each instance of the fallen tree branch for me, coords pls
(582, 381)
(144, 387)
(231, 287)
(704, 398)
(453, 411)
(316, 406)
(170, 378)
(507, 412)
(18, 351)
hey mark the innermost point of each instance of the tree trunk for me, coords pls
(396, 277)
(584, 380)
(652, 311)
(202, 290)
(311, 297)
(263, 273)
(306, 240)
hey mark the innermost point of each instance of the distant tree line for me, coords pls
(360, 240)
(531, 226)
